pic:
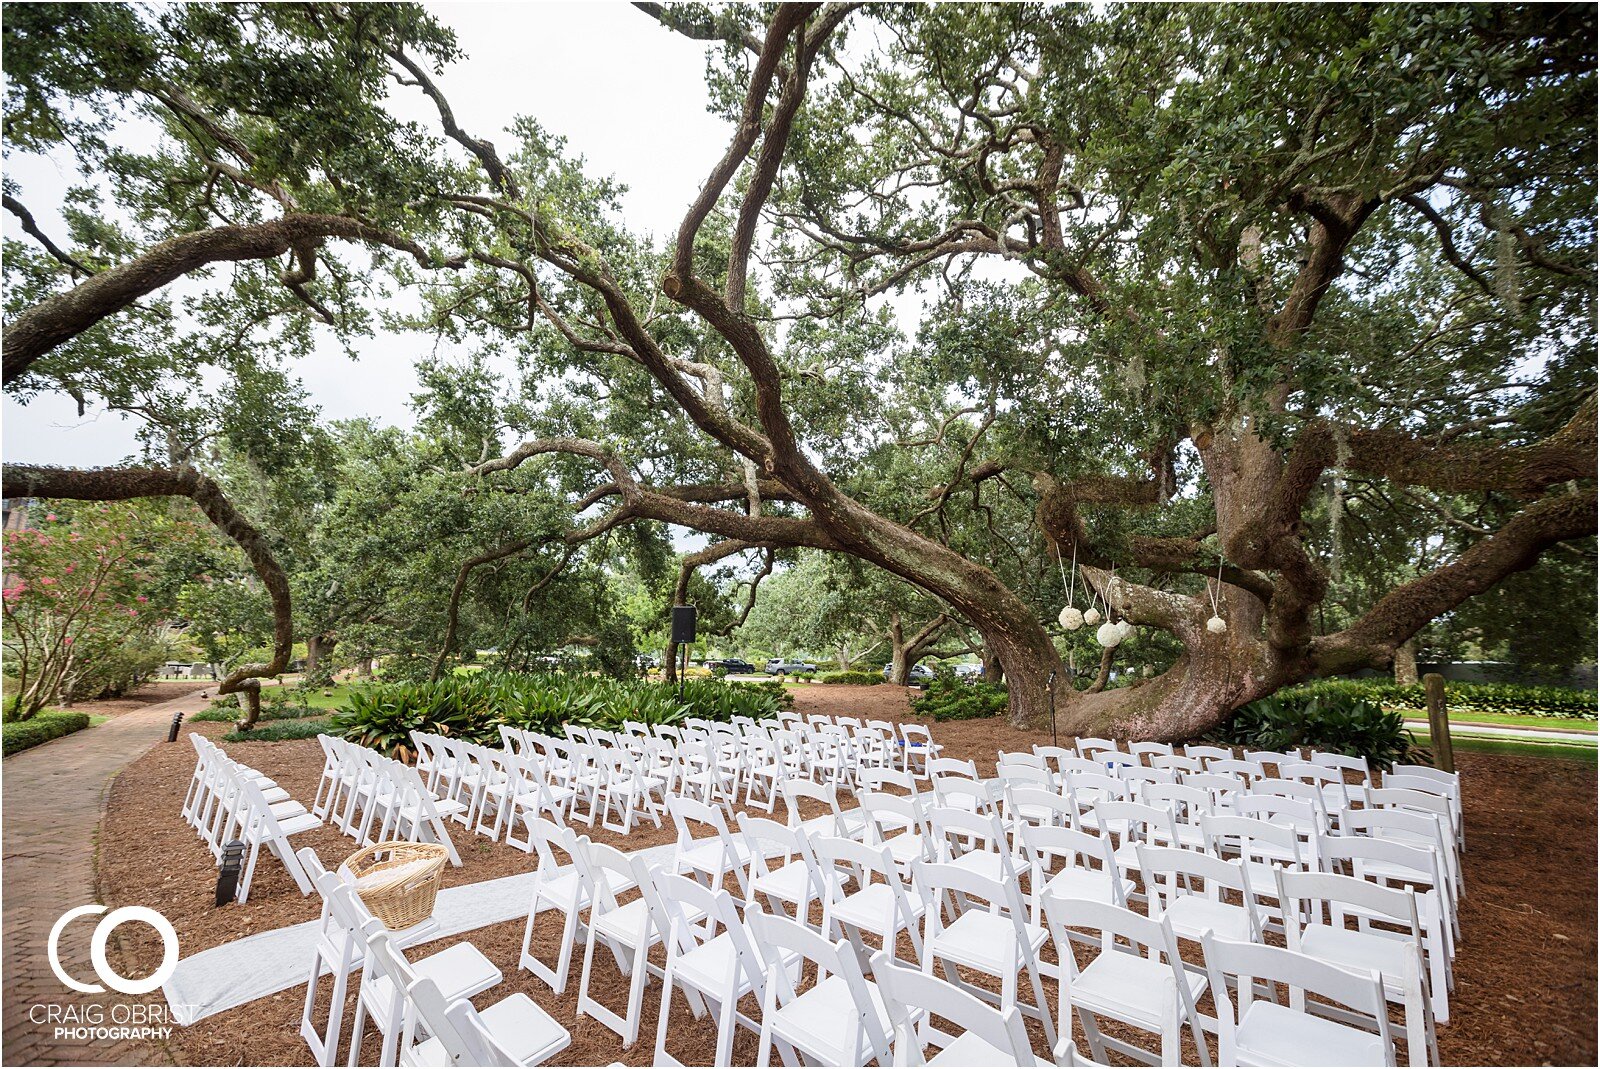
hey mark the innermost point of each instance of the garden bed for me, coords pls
(1528, 942)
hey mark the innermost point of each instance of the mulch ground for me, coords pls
(145, 694)
(1526, 968)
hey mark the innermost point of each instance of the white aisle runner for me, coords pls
(263, 964)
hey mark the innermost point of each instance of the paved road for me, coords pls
(54, 796)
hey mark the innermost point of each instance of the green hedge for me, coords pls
(947, 698)
(862, 678)
(1506, 698)
(473, 707)
(22, 735)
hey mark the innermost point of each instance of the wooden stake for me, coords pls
(1444, 757)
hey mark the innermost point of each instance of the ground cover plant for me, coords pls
(858, 678)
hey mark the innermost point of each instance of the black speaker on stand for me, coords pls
(683, 637)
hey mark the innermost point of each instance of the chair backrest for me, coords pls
(1345, 763)
(942, 884)
(780, 936)
(956, 832)
(1335, 900)
(1415, 800)
(1140, 778)
(908, 995)
(1383, 860)
(1223, 787)
(1360, 991)
(1013, 775)
(794, 790)
(1186, 802)
(1274, 758)
(1018, 757)
(1307, 818)
(1449, 779)
(761, 835)
(686, 811)
(1177, 763)
(1089, 745)
(1425, 784)
(547, 837)
(876, 779)
(952, 767)
(1117, 760)
(1150, 749)
(1248, 771)
(863, 860)
(1253, 840)
(1125, 822)
(889, 814)
(951, 790)
(1036, 805)
(1208, 753)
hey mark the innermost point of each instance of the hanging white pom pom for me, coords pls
(1109, 634)
(1071, 618)
(1092, 617)
(1216, 625)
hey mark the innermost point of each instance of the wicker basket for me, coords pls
(406, 900)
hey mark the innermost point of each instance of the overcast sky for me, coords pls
(628, 95)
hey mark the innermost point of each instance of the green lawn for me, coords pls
(1511, 720)
(1564, 751)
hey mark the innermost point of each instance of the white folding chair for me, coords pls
(1360, 925)
(1137, 979)
(783, 868)
(1262, 1032)
(879, 907)
(628, 930)
(709, 960)
(710, 859)
(839, 1020)
(997, 939)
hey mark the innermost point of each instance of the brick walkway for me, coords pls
(54, 796)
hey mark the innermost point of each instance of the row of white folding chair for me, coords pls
(228, 801)
(373, 798)
(907, 747)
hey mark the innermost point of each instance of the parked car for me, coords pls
(780, 667)
(919, 673)
(733, 666)
(968, 672)
(645, 660)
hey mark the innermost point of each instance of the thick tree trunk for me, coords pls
(1405, 663)
(992, 672)
(318, 647)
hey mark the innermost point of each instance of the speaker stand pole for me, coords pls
(683, 668)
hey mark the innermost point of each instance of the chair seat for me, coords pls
(713, 968)
(825, 1022)
(562, 890)
(629, 924)
(461, 971)
(1271, 1034)
(1130, 988)
(707, 855)
(985, 941)
(297, 824)
(1192, 915)
(905, 847)
(989, 864)
(286, 810)
(872, 909)
(791, 883)
(519, 1026)
(1091, 884)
